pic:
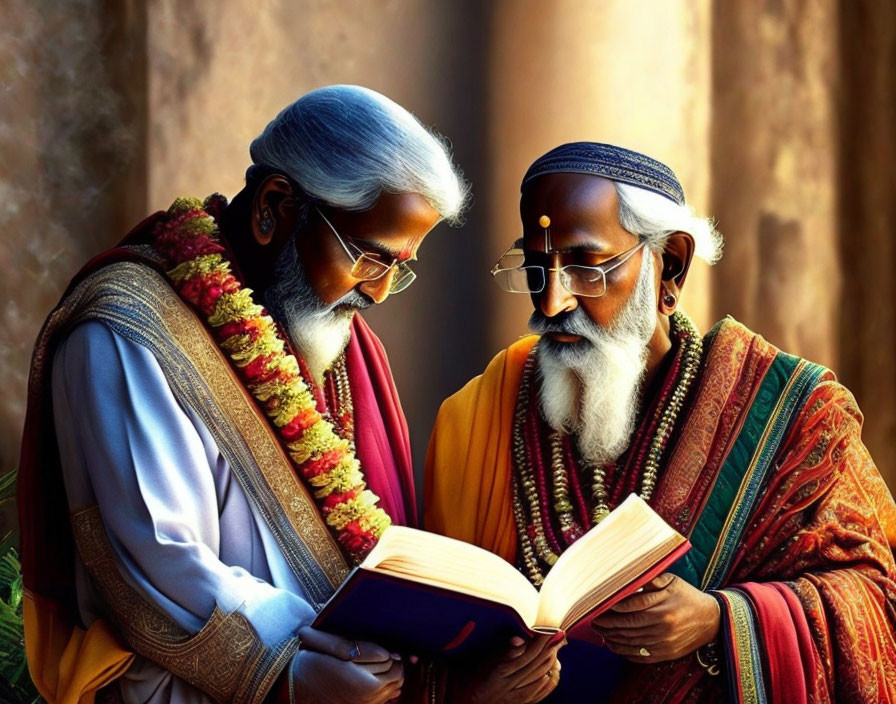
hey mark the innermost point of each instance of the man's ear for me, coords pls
(677, 256)
(275, 211)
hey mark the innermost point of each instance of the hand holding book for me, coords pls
(667, 620)
(427, 594)
(329, 668)
(526, 672)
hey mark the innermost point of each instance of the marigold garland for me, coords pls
(201, 274)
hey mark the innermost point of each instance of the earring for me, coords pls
(267, 222)
(668, 300)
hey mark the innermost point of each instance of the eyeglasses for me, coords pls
(514, 275)
(367, 266)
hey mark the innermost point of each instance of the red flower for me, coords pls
(298, 425)
(210, 298)
(356, 540)
(257, 370)
(334, 499)
(191, 289)
(325, 463)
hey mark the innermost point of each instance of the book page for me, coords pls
(614, 553)
(433, 559)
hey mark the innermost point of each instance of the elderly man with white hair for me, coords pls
(213, 436)
(789, 591)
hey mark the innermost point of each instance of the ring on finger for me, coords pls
(644, 652)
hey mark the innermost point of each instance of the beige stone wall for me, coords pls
(777, 116)
(71, 164)
(774, 169)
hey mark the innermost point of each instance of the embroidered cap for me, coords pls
(610, 162)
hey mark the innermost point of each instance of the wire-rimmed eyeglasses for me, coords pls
(514, 275)
(368, 266)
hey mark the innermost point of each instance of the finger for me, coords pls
(538, 670)
(634, 637)
(548, 685)
(628, 626)
(505, 664)
(517, 648)
(638, 602)
(342, 648)
(540, 688)
(376, 668)
(394, 675)
(635, 619)
(659, 583)
(514, 659)
(532, 650)
(643, 653)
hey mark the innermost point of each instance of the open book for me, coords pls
(423, 593)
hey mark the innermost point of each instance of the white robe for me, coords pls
(181, 526)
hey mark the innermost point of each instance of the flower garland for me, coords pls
(201, 274)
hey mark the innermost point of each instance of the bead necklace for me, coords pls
(539, 545)
(339, 399)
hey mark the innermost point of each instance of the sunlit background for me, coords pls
(778, 117)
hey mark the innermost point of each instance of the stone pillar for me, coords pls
(774, 171)
(633, 73)
(867, 251)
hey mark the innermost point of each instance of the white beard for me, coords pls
(319, 332)
(592, 388)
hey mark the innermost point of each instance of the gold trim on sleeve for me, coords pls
(226, 658)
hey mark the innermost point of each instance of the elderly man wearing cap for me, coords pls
(789, 591)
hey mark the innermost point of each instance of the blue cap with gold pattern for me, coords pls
(610, 162)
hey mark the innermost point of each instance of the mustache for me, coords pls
(353, 300)
(573, 322)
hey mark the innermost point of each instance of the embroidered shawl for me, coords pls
(123, 289)
(790, 521)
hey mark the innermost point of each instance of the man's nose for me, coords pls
(555, 298)
(378, 289)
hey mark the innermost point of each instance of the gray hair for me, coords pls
(346, 145)
(654, 217)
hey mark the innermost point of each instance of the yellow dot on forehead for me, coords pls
(544, 221)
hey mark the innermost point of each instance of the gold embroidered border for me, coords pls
(749, 669)
(226, 659)
(134, 297)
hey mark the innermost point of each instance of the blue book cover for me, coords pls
(424, 594)
(417, 619)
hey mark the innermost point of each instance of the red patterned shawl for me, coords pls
(791, 523)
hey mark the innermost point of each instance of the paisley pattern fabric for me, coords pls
(792, 526)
